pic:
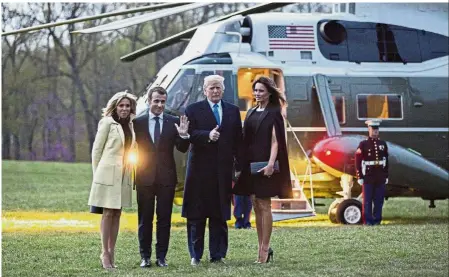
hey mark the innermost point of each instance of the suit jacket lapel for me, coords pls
(226, 113)
(261, 118)
(145, 125)
(208, 113)
(248, 114)
(165, 128)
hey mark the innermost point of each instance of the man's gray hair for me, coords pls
(213, 79)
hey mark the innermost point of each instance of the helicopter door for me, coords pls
(282, 209)
(321, 86)
(245, 79)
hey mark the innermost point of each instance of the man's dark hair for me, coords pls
(159, 90)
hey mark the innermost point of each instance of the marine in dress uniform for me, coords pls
(371, 160)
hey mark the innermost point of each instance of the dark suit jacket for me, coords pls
(210, 164)
(157, 164)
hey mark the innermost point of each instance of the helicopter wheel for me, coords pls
(349, 211)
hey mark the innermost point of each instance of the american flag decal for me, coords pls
(295, 37)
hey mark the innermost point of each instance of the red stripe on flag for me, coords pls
(289, 48)
(292, 40)
(296, 44)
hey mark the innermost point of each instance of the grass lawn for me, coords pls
(412, 242)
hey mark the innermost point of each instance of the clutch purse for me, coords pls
(255, 167)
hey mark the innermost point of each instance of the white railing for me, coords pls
(308, 172)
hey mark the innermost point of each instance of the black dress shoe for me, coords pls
(161, 262)
(194, 262)
(217, 261)
(145, 262)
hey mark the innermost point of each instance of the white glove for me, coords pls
(386, 181)
(360, 181)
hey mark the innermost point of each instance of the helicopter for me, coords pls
(363, 61)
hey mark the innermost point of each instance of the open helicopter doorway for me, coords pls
(282, 209)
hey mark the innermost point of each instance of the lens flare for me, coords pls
(132, 158)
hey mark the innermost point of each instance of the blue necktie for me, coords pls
(217, 115)
(157, 130)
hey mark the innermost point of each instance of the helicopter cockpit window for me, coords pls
(235, 27)
(384, 106)
(180, 89)
(229, 82)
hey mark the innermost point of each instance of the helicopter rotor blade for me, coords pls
(140, 19)
(189, 33)
(87, 18)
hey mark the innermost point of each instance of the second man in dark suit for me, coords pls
(157, 134)
(215, 135)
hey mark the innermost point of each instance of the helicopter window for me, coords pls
(339, 103)
(397, 44)
(215, 58)
(229, 82)
(385, 106)
(351, 8)
(362, 46)
(433, 45)
(180, 89)
(306, 55)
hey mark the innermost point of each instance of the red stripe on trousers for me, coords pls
(363, 205)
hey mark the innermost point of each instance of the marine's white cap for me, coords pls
(375, 123)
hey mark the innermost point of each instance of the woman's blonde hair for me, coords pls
(111, 107)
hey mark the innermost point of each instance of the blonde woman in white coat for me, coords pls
(113, 169)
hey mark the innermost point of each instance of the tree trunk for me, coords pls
(16, 143)
(45, 140)
(31, 153)
(6, 145)
(72, 133)
(87, 114)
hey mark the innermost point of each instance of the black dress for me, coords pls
(257, 136)
(128, 137)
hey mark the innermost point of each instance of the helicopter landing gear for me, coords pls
(432, 204)
(346, 210)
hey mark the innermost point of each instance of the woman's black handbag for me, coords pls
(255, 167)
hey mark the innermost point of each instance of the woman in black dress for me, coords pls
(264, 141)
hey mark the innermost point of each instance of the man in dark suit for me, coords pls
(157, 134)
(215, 135)
(371, 160)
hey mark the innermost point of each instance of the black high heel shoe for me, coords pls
(270, 255)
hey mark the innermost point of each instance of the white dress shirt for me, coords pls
(152, 123)
(220, 109)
